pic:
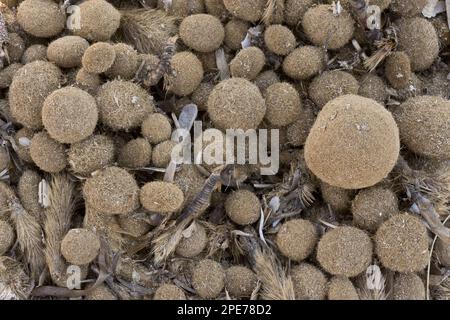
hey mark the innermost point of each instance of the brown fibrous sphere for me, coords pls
(169, 292)
(208, 279)
(15, 47)
(265, 79)
(408, 286)
(188, 73)
(137, 153)
(294, 10)
(279, 39)
(112, 191)
(156, 128)
(345, 251)
(283, 104)
(80, 246)
(193, 242)
(296, 239)
(48, 154)
(41, 18)
(248, 10)
(161, 197)
(240, 281)
(248, 63)
(67, 51)
(398, 70)
(8, 73)
(202, 32)
(402, 244)
(407, 8)
(125, 64)
(341, 288)
(304, 62)
(235, 32)
(373, 87)
(34, 52)
(339, 199)
(23, 141)
(309, 282)
(353, 144)
(90, 82)
(243, 207)
(99, 57)
(162, 153)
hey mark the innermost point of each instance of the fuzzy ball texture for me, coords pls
(188, 73)
(201, 94)
(125, 64)
(89, 82)
(112, 191)
(137, 153)
(28, 90)
(236, 104)
(345, 251)
(99, 20)
(424, 126)
(134, 224)
(419, 40)
(265, 79)
(353, 144)
(161, 197)
(243, 207)
(373, 87)
(8, 73)
(297, 132)
(248, 63)
(408, 286)
(23, 141)
(66, 52)
(240, 281)
(169, 292)
(330, 85)
(283, 104)
(408, 8)
(309, 282)
(48, 154)
(70, 115)
(34, 52)
(279, 39)
(41, 18)
(202, 32)
(80, 246)
(99, 57)
(335, 31)
(304, 62)
(156, 128)
(398, 70)
(248, 10)
(193, 242)
(402, 244)
(6, 236)
(162, 153)
(294, 10)
(341, 288)
(15, 47)
(208, 279)
(92, 154)
(102, 292)
(372, 206)
(235, 33)
(339, 199)
(123, 105)
(296, 239)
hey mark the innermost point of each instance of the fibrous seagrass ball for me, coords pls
(339, 199)
(101, 292)
(15, 47)
(162, 153)
(112, 191)
(265, 79)
(236, 103)
(373, 87)
(99, 20)
(92, 154)
(137, 153)
(69, 115)
(48, 154)
(188, 73)
(341, 288)
(296, 239)
(216, 8)
(279, 39)
(408, 286)
(8, 73)
(6, 236)
(161, 197)
(34, 52)
(353, 144)
(235, 32)
(397, 69)
(202, 32)
(283, 104)
(41, 18)
(309, 282)
(28, 90)
(248, 10)
(134, 224)
(297, 132)
(294, 10)
(345, 251)
(89, 82)
(424, 126)
(248, 63)
(169, 292)
(208, 279)
(372, 206)
(418, 39)
(193, 242)
(402, 244)
(123, 105)
(335, 31)
(330, 85)
(304, 62)
(125, 64)
(183, 8)
(407, 8)
(201, 94)
(67, 51)
(99, 57)
(240, 281)
(23, 141)
(156, 128)
(80, 246)
(243, 207)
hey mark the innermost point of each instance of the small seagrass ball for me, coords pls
(208, 279)
(80, 246)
